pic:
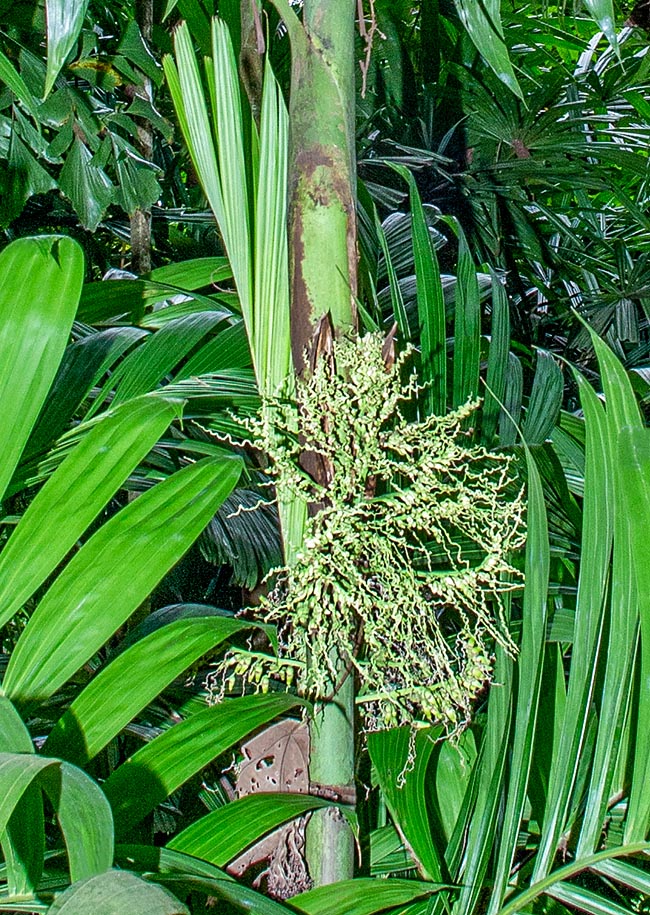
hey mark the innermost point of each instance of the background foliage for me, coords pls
(503, 228)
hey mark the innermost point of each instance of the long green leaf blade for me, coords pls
(622, 413)
(596, 547)
(602, 11)
(497, 365)
(80, 806)
(10, 76)
(64, 21)
(483, 23)
(431, 304)
(188, 96)
(23, 843)
(40, 283)
(634, 476)
(529, 677)
(159, 354)
(114, 893)
(105, 707)
(467, 327)
(545, 400)
(520, 901)
(471, 846)
(403, 783)
(227, 832)
(161, 766)
(89, 600)
(74, 496)
(183, 870)
(271, 339)
(363, 896)
(223, 81)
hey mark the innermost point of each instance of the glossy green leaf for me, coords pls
(137, 185)
(223, 83)
(272, 337)
(261, 276)
(520, 901)
(82, 368)
(227, 832)
(363, 896)
(396, 297)
(403, 781)
(114, 893)
(571, 456)
(117, 299)
(195, 273)
(107, 300)
(23, 843)
(622, 413)
(497, 358)
(82, 810)
(11, 78)
(545, 400)
(529, 678)
(75, 495)
(602, 11)
(626, 874)
(160, 767)
(453, 770)
(467, 327)
(597, 536)
(85, 184)
(227, 302)
(586, 900)
(229, 349)
(512, 402)
(473, 842)
(22, 177)
(602, 521)
(430, 302)
(14, 736)
(184, 873)
(134, 48)
(105, 707)
(88, 601)
(483, 23)
(388, 854)
(64, 21)
(242, 897)
(165, 862)
(633, 463)
(188, 96)
(159, 354)
(40, 282)
(551, 715)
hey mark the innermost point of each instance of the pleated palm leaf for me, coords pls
(247, 191)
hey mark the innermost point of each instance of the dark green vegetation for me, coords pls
(483, 216)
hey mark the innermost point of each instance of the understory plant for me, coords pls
(77, 581)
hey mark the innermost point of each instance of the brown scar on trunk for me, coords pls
(307, 162)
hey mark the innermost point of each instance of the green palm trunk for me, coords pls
(322, 221)
(323, 263)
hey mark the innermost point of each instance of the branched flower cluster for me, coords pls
(403, 569)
